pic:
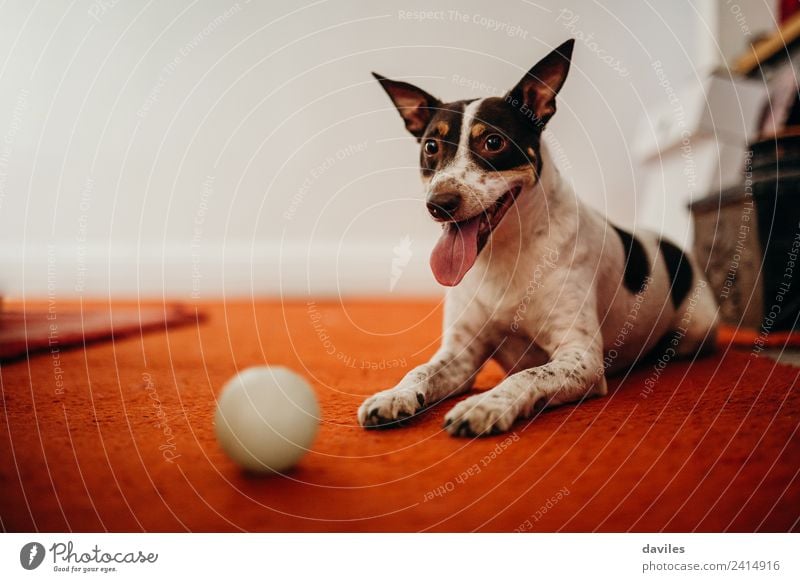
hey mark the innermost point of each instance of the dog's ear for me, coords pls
(538, 89)
(416, 107)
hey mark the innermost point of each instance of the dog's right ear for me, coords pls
(416, 107)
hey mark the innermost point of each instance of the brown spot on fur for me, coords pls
(477, 129)
(443, 128)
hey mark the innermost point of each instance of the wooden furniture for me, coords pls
(769, 47)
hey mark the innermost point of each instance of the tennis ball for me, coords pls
(266, 418)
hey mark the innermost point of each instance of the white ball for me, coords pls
(266, 418)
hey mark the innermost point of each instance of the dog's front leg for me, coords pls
(574, 371)
(451, 371)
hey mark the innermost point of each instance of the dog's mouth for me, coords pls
(461, 241)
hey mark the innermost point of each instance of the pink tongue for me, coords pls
(456, 251)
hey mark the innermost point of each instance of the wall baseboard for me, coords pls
(211, 272)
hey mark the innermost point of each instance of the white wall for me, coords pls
(219, 147)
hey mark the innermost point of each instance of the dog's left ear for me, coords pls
(536, 93)
(416, 107)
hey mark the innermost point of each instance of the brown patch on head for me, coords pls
(477, 129)
(522, 141)
(444, 128)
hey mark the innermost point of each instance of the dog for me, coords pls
(546, 286)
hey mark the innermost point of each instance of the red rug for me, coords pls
(24, 332)
(118, 436)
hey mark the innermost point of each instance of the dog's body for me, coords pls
(538, 281)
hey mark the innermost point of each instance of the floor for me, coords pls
(790, 357)
(118, 436)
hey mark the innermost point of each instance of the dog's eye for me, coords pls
(494, 143)
(431, 147)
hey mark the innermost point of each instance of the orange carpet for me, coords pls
(118, 437)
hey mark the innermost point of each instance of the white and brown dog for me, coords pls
(538, 281)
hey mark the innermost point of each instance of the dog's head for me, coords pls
(478, 156)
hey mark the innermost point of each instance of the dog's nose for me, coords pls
(443, 205)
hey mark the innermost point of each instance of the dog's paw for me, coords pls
(390, 408)
(480, 415)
